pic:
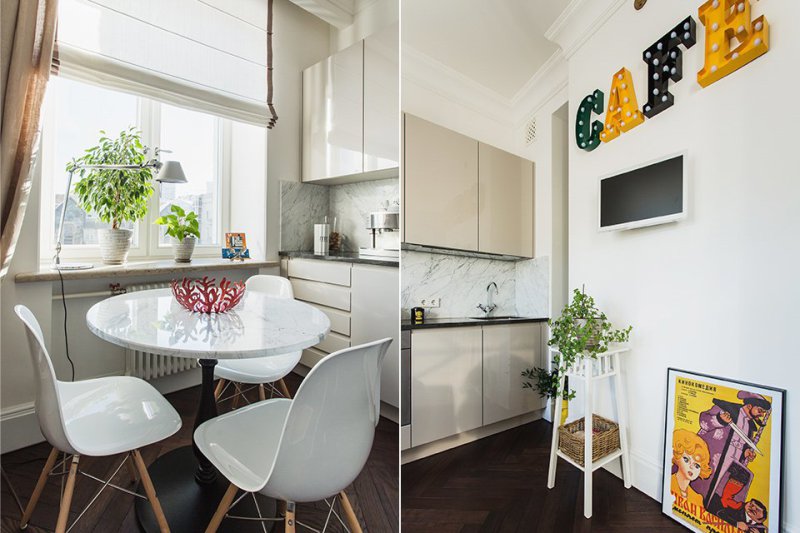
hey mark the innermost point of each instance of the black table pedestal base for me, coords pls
(189, 505)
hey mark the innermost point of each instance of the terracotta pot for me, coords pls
(115, 245)
(184, 249)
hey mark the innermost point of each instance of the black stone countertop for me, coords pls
(346, 257)
(461, 322)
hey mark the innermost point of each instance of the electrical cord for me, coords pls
(66, 337)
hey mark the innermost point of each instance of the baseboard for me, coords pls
(19, 427)
(454, 441)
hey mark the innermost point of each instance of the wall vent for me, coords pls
(530, 132)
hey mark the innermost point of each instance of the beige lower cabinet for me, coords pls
(507, 351)
(505, 203)
(445, 383)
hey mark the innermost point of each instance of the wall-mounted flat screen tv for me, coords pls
(654, 193)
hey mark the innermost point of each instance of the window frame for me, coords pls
(148, 115)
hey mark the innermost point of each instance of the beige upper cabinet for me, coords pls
(505, 203)
(333, 115)
(382, 100)
(440, 186)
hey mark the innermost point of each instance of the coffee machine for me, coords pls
(384, 231)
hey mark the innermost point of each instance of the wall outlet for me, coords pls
(431, 302)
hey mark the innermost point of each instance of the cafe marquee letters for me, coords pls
(723, 21)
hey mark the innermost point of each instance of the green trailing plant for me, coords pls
(116, 196)
(179, 224)
(581, 331)
(541, 381)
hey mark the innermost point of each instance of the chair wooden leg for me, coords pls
(289, 521)
(218, 390)
(224, 505)
(37, 491)
(349, 513)
(66, 500)
(150, 490)
(262, 395)
(284, 389)
(236, 394)
(131, 464)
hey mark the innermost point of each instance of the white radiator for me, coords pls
(149, 365)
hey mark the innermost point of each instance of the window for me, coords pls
(192, 139)
(76, 112)
(79, 112)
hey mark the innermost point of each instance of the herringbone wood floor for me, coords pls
(374, 494)
(499, 484)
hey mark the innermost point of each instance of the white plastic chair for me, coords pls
(302, 450)
(260, 370)
(95, 417)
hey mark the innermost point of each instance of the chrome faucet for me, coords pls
(489, 307)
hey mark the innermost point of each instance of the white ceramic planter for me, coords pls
(184, 249)
(114, 245)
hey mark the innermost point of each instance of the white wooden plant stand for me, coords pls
(590, 370)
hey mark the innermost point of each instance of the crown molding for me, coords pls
(553, 72)
(431, 74)
(579, 21)
(337, 13)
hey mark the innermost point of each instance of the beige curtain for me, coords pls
(28, 35)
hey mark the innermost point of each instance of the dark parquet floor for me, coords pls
(374, 494)
(499, 484)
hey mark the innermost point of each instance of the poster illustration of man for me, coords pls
(721, 466)
(731, 453)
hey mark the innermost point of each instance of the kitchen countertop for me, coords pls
(461, 322)
(346, 257)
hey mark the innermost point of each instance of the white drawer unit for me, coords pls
(321, 293)
(333, 342)
(331, 272)
(311, 356)
(340, 321)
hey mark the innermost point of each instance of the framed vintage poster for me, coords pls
(723, 454)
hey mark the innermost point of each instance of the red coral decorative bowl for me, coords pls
(204, 296)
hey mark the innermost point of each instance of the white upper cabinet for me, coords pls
(505, 198)
(351, 108)
(333, 115)
(381, 100)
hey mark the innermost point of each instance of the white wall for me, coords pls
(300, 40)
(718, 292)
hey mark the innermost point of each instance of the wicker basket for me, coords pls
(605, 439)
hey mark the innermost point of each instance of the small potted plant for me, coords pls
(115, 195)
(581, 331)
(184, 228)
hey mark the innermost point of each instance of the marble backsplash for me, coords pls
(306, 204)
(302, 206)
(461, 282)
(352, 203)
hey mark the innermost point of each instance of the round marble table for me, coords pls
(152, 321)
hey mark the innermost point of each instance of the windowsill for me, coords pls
(143, 268)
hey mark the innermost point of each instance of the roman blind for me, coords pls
(209, 55)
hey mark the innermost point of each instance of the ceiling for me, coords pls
(499, 44)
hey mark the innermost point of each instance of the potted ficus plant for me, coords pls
(115, 195)
(184, 228)
(581, 331)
